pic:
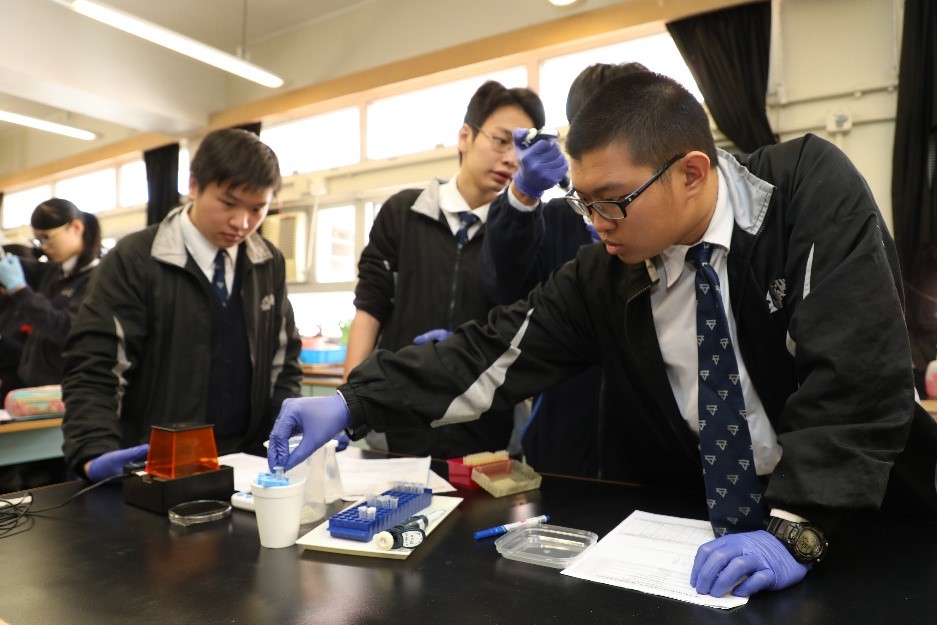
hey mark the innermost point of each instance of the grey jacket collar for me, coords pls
(168, 245)
(749, 195)
(427, 203)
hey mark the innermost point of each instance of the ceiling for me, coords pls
(61, 67)
(221, 23)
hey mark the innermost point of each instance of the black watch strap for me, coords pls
(804, 541)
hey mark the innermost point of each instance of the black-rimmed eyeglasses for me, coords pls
(615, 209)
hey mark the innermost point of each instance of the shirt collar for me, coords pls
(202, 250)
(719, 233)
(69, 265)
(451, 201)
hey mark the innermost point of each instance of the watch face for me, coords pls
(808, 544)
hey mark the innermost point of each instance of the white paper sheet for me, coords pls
(360, 473)
(651, 553)
(363, 476)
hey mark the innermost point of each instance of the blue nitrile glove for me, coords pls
(112, 463)
(342, 440)
(540, 166)
(317, 419)
(11, 273)
(722, 563)
(433, 335)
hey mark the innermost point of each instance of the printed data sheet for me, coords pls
(651, 553)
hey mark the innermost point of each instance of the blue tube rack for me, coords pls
(346, 524)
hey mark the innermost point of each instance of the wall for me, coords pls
(840, 56)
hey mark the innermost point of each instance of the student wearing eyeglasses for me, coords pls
(746, 305)
(418, 276)
(46, 296)
(522, 247)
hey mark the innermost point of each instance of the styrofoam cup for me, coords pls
(278, 510)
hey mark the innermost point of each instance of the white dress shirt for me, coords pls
(452, 203)
(204, 251)
(673, 302)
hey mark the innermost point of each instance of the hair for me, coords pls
(236, 158)
(56, 212)
(591, 79)
(652, 115)
(492, 95)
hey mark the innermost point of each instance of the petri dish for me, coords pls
(199, 511)
(545, 545)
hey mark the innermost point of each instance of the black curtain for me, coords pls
(253, 127)
(727, 52)
(914, 205)
(162, 181)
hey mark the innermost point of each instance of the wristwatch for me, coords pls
(806, 542)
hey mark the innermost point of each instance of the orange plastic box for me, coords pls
(181, 450)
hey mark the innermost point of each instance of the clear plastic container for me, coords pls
(545, 545)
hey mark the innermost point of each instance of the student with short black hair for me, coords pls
(524, 244)
(749, 311)
(418, 276)
(186, 321)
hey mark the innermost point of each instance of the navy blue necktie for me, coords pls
(468, 220)
(217, 280)
(733, 490)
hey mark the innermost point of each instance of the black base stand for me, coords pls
(158, 494)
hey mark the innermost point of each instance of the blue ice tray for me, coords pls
(346, 524)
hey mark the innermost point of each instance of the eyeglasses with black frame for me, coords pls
(615, 209)
(498, 144)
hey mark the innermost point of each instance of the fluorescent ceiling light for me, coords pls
(563, 3)
(176, 42)
(39, 124)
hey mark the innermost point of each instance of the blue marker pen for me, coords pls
(507, 527)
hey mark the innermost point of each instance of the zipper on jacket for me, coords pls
(450, 315)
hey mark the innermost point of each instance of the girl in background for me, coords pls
(41, 301)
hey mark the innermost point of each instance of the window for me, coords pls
(18, 207)
(92, 193)
(425, 119)
(371, 210)
(656, 52)
(133, 188)
(335, 244)
(316, 143)
(183, 172)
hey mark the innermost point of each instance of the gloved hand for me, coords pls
(112, 463)
(342, 439)
(11, 273)
(318, 419)
(722, 563)
(540, 166)
(433, 335)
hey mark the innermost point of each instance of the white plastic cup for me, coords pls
(278, 510)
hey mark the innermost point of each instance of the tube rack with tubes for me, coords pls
(377, 513)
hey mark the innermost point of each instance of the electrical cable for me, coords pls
(15, 514)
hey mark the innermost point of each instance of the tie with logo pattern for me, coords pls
(217, 280)
(733, 491)
(468, 219)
